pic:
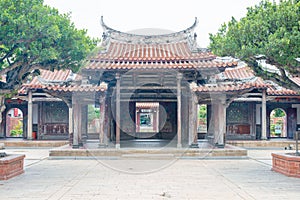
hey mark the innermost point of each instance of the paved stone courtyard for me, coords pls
(183, 179)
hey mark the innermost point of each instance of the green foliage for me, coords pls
(93, 113)
(36, 36)
(278, 113)
(202, 112)
(18, 130)
(268, 29)
(272, 129)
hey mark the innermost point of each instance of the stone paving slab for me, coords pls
(205, 152)
(279, 142)
(17, 143)
(32, 155)
(133, 179)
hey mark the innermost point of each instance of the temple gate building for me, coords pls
(149, 87)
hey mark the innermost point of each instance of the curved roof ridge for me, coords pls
(187, 35)
(189, 29)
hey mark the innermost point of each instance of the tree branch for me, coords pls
(9, 53)
(282, 80)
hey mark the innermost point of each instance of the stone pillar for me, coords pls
(193, 116)
(219, 115)
(194, 121)
(70, 124)
(222, 120)
(179, 77)
(102, 120)
(29, 116)
(264, 116)
(137, 127)
(118, 111)
(76, 121)
(108, 117)
(80, 142)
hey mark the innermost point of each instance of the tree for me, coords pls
(35, 36)
(270, 31)
(279, 113)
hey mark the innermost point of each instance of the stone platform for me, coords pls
(147, 150)
(272, 143)
(287, 164)
(33, 143)
(11, 166)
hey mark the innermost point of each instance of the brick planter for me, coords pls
(287, 164)
(11, 165)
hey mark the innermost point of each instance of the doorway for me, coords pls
(147, 117)
(14, 123)
(278, 123)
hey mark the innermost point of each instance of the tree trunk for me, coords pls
(2, 106)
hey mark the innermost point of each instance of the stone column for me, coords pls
(137, 127)
(102, 120)
(179, 78)
(264, 116)
(107, 121)
(80, 142)
(118, 111)
(219, 115)
(70, 124)
(108, 117)
(76, 125)
(222, 126)
(29, 116)
(194, 121)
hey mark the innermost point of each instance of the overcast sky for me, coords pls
(174, 15)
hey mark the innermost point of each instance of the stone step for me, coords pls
(149, 156)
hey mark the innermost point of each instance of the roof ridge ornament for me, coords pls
(187, 35)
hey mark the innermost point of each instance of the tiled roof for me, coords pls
(69, 88)
(276, 90)
(213, 88)
(93, 64)
(152, 52)
(243, 72)
(47, 76)
(147, 105)
(296, 80)
(282, 92)
(56, 75)
(176, 55)
(52, 80)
